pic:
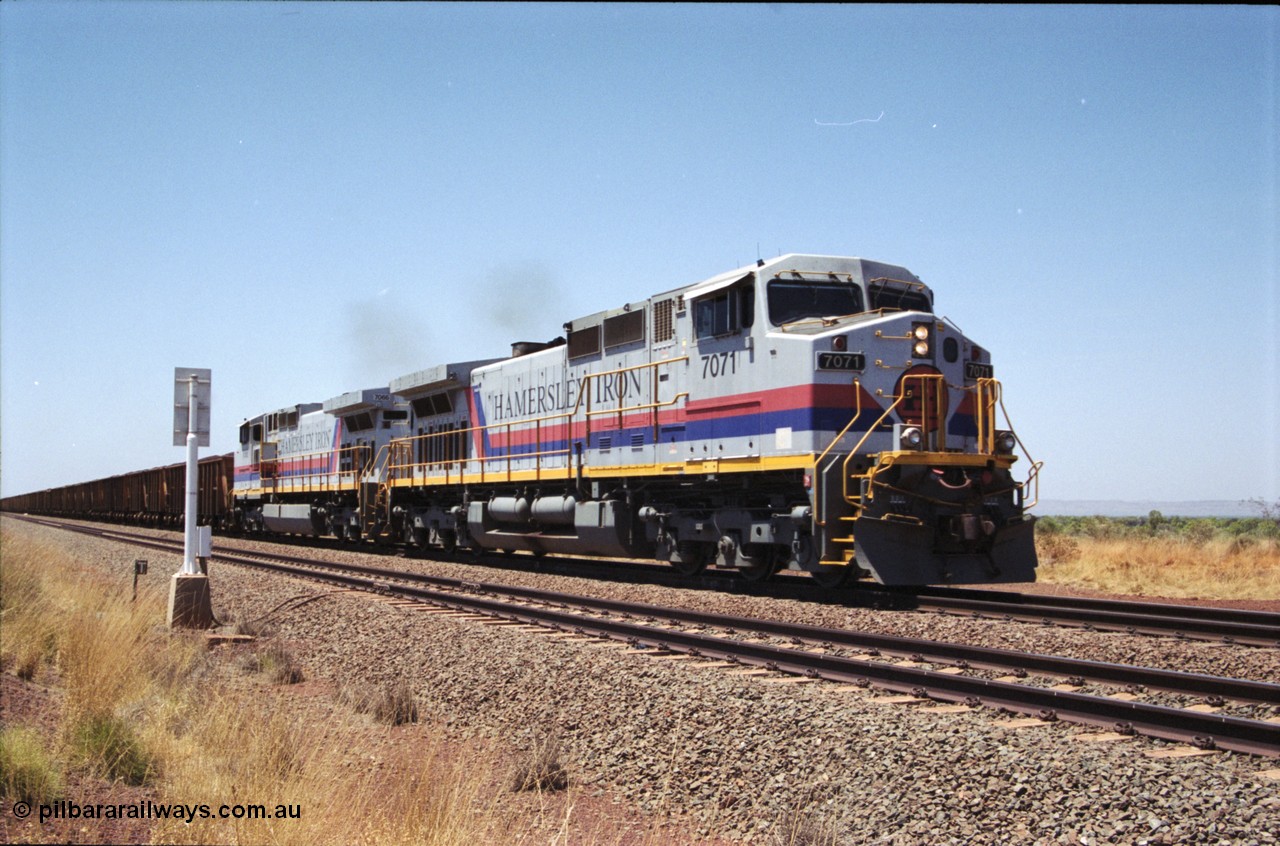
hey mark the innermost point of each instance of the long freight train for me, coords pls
(808, 412)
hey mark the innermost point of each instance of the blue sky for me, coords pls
(313, 198)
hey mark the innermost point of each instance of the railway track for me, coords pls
(921, 668)
(1226, 625)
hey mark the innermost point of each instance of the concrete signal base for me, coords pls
(189, 603)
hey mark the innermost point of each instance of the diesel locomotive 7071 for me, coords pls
(807, 412)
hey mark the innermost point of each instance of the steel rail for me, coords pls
(1251, 628)
(1154, 618)
(963, 655)
(1123, 606)
(1202, 729)
(924, 650)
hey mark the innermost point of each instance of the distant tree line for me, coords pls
(1155, 524)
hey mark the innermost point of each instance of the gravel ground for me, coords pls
(742, 757)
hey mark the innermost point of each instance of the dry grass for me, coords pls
(234, 752)
(280, 665)
(147, 706)
(28, 614)
(393, 703)
(111, 656)
(540, 767)
(812, 828)
(1217, 567)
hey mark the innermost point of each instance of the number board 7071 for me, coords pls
(842, 361)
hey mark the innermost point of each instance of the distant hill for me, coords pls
(1120, 508)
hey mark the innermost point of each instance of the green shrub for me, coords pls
(27, 772)
(1155, 524)
(1200, 530)
(1049, 525)
(109, 746)
(278, 663)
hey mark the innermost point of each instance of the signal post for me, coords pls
(190, 606)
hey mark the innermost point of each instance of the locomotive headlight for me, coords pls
(911, 438)
(1005, 442)
(921, 345)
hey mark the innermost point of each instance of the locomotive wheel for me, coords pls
(831, 577)
(691, 559)
(449, 542)
(690, 568)
(758, 566)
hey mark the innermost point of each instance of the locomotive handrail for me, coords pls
(857, 393)
(371, 466)
(619, 411)
(988, 393)
(410, 469)
(397, 468)
(318, 480)
(844, 469)
(1033, 472)
(370, 469)
(397, 471)
(648, 405)
(939, 382)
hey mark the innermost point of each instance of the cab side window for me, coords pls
(724, 313)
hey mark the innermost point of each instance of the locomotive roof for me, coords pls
(298, 408)
(857, 269)
(435, 378)
(353, 401)
(866, 268)
(853, 268)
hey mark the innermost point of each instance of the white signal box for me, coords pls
(182, 398)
